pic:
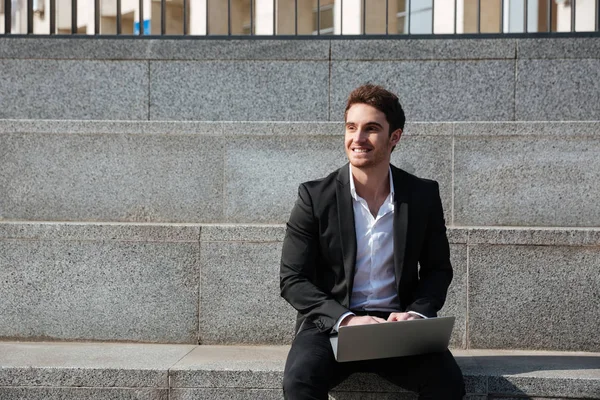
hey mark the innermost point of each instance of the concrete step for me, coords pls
(514, 288)
(490, 173)
(176, 372)
(290, 80)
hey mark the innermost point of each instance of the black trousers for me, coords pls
(311, 370)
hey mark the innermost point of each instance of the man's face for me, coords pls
(367, 141)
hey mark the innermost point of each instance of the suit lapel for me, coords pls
(401, 203)
(347, 230)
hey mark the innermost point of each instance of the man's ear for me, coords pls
(395, 137)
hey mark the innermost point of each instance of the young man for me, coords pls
(350, 256)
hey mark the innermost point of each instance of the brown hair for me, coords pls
(383, 100)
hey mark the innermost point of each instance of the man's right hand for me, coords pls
(361, 320)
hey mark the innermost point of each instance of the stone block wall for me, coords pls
(144, 183)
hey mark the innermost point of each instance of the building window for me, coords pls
(420, 16)
(326, 20)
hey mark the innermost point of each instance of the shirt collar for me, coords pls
(353, 188)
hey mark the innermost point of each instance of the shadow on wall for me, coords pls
(497, 375)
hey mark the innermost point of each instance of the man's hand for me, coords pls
(402, 316)
(364, 320)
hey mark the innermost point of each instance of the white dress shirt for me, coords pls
(374, 286)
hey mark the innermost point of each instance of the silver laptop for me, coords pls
(392, 339)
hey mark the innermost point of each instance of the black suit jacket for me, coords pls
(319, 249)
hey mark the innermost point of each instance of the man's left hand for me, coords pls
(402, 316)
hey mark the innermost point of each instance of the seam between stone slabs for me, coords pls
(452, 178)
(85, 387)
(467, 333)
(94, 240)
(329, 85)
(169, 369)
(243, 241)
(224, 144)
(149, 94)
(514, 102)
(199, 306)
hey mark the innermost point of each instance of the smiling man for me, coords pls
(365, 245)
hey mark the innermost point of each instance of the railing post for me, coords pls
(549, 16)
(432, 16)
(364, 15)
(97, 16)
(408, 17)
(29, 17)
(7, 16)
(525, 24)
(73, 16)
(573, 16)
(229, 17)
(52, 17)
(119, 27)
(185, 17)
(479, 16)
(501, 29)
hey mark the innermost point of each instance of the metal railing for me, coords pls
(251, 17)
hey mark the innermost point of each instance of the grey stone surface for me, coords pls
(534, 236)
(433, 90)
(262, 175)
(428, 49)
(428, 157)
(261, 49)
(534, 128)
(557, 387)
(341, 395)
(368, 382)
(254, 372)
(526, 181)
(100, 231)
(162, 49)
(99, 290)
(242, 233)
(456, 235)
(428, 129)
(534, 297)
(168, 178)
(226, 394)
(66, 89)
(555, 90)
(227, 366)
(210, 128)
(538, 364)
(456, 300)
(240, 300)
(12, 393)
(230, 90)
(73, 48)
(88, 364)
(559, 48)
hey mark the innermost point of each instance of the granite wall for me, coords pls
(218, 284)
(554, 79)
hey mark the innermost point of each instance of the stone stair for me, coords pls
(175, 372)
(145, 184)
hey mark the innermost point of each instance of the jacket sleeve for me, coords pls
(298, 267)
(435, 273)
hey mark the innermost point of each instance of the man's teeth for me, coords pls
(360, 150)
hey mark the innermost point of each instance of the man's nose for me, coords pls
(360, 135)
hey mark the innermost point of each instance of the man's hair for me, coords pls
(383, 100)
